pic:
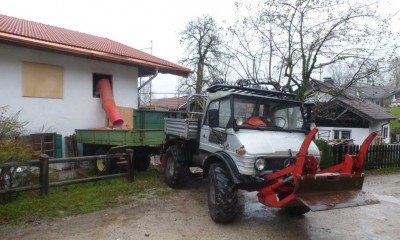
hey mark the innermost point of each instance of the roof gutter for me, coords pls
(150, 79)
(11, 38)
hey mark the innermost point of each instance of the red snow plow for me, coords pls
(302, 187)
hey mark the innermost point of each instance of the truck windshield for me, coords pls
(264, 114)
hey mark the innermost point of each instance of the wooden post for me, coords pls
(44, 174)
(130, 164)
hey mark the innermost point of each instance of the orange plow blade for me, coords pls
(301, 184)
(332, 191)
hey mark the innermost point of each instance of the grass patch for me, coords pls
(82, 198)
(394, 124)
(395, 111)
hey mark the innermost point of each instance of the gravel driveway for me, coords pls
(184, 215)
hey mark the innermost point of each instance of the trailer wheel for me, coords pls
(222, 195)
(141, 160)
(298, 210)
(103, 166)
(175, 171)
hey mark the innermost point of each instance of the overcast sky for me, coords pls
(135, 22)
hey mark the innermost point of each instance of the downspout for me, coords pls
(147, 82)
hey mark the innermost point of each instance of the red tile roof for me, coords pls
(49, 37)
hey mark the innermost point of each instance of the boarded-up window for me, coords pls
(42, 80)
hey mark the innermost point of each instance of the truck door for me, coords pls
(213, 133)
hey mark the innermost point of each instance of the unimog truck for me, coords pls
(259, 140)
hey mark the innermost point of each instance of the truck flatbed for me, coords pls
(148, 131)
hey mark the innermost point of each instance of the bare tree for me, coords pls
(251, 46)
(340, 73)
(303, 36)
(395, 72)
(202, 40)
(248, 52)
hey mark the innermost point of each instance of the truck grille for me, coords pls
(278, 163)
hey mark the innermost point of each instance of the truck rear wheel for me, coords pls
(222, 195)
(142, 160)
(175, 171)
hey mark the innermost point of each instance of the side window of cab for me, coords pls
(218, 114)
(214, 106)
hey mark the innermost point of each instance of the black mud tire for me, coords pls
(297, 211)
(176, 171)
(141, 160)
(103, 166)
(223, 200)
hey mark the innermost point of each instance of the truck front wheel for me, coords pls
(176, 171)
(222, 195)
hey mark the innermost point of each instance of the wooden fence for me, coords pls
(43, 164)
(378, 156)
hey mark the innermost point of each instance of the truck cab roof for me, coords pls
(219, 91)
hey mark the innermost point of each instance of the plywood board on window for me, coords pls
(42, 80)
(126, 115)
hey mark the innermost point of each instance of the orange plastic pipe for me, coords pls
(107, 101)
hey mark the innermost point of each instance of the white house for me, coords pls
(50, 73)
(380, 95)
(340, 115)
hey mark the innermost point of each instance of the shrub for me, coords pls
(325, 149)
(10, 126)
(13, 148)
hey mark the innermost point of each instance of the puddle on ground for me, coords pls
(387, 198)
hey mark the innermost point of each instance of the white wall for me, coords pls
(357, 134)
(378, 127)
(78, 108)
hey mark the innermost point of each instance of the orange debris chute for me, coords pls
(107, 101)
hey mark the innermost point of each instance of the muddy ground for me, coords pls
(184, 215)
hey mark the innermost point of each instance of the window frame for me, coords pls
(95, 80)
(341, 133)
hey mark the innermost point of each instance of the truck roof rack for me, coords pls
(239, 89)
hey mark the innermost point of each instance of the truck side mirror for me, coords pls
(213, 118)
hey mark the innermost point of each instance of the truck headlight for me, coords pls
(259, 164)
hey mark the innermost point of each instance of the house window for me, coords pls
(385, 132)
(96, 78)
(342, 134)
(42, 80)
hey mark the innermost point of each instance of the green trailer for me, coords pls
(146, 138)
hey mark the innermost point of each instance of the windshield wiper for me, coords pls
(255, 128)
(274, 126)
